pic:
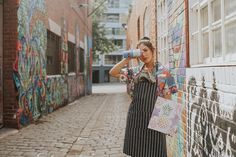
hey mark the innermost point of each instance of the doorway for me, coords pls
(95, 76)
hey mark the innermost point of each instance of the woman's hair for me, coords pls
(146, 41)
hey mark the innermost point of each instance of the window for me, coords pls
(162, 32)
(216, 10)
(146, 22)
(118, 31)
(81, 60)
(204, 17)
(71, 57)
(112, 17)
(217, 49)
(230, 39)
(118, 42)
(212, 40)
(115, 31)
(230, 7)
(112, 59)
(52, 53)
(113, 4)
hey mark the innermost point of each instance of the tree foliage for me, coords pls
(101, 44)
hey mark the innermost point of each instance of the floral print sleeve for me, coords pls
(128, 76)
(164, 78)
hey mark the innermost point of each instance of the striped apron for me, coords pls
(139, 140)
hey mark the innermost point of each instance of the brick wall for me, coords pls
(138, 11)
(176, 12)
(28, 91)
(211, 111)
(65, 9)
(9, 42)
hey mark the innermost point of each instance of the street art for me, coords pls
(77, 41)
(177, 51)
(211, 127)
(72, 87)
(57, 94)
(64, 47)
(30, 64)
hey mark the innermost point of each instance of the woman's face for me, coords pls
(147, 54)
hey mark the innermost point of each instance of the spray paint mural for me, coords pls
(211, 124)
(72, 87)
(57, 94)
(30, 64)
(177, 51)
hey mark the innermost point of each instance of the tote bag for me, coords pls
(165, 116)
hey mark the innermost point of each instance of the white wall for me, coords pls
(211, 111)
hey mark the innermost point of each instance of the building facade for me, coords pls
(114, 20)
(46, 57)
(195, 39)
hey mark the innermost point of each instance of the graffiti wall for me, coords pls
(30, 64)
(64, 47)
(211, 112)
(177, 53)
(38, 93)
(57, 92)
(72, 87)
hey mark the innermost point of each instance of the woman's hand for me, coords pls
(115, 71)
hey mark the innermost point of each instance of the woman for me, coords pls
(139, 140)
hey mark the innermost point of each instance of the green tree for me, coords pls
(101, 44)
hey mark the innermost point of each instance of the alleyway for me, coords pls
(91, 126)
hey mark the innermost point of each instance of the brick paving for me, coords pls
(92, 126)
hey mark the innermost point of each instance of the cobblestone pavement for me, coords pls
(92, 126)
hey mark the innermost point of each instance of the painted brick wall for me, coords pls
(211, 106)
(28, 91)
(10, 39)
(177, 51)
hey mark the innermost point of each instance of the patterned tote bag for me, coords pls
(166, 113)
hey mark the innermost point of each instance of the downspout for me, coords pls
(156, 30)
(187, 32)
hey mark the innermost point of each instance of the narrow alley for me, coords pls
(91, 126)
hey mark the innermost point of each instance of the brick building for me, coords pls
(45, 60)
(196, 40)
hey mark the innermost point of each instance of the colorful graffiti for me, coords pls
(57, 94)
(72, 87)
(64, 47)
(176, 46)
(30, 64)
(211, 127)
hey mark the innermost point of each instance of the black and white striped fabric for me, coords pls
(139, 140)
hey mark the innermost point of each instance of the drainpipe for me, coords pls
(187, 32)
(156, 30)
